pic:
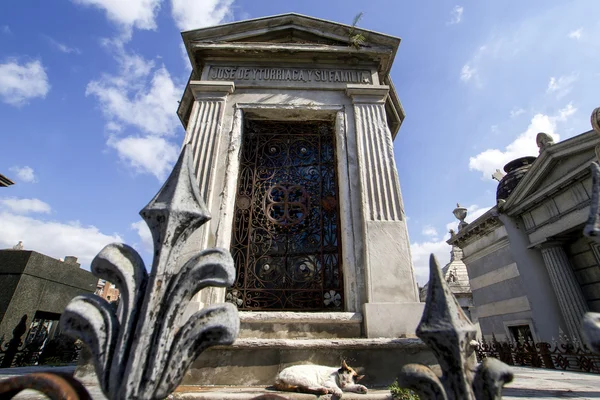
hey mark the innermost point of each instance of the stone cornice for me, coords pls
(367, 93)
(203, 90)
(476, 229)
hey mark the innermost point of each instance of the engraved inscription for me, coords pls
(289, 75)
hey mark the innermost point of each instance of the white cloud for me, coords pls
(194, 14)
(144, 98)
(140, 95)
(565, 113)
(25, 174)
(515, 112)
(150, 154)
(63, 47)
(456, 15)
(524, 145)
(6, 30)
(184, 56)
(144, 234)
(420, 251)
(25, 206)
(562, 85)
(576, 34)
(53, 238)
(22, 82)
(420, 257)
(429, 230)
(128, 14)
(467, 73)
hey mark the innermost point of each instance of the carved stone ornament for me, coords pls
(543, 141)
(143, 350)
(451, 336)
(595, 120)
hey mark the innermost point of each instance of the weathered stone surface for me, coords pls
(449, 333)
(258, 361)
(144, 351)
(31, 282)
(299, 325)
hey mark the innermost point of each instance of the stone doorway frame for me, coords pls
(350, 226)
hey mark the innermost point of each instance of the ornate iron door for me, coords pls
(285, 239)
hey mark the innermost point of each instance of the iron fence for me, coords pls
(60, 350)
(565, 355)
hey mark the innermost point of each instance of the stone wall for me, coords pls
(37, 282)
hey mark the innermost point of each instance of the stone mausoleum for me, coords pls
(35, 289)
(291, 122)
(292, 129)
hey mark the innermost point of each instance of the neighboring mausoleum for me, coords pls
(532, 271)
(37, 288)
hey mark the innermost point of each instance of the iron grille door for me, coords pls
(285, 240)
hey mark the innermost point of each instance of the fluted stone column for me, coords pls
(568, 292)
(204, 127)
(392, 305)
(203, 130)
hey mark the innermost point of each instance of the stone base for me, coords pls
(299, 325)
(389, 320)
(256, 362)
(252, 393)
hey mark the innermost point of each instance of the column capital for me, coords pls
(211, 89)
(367, 93)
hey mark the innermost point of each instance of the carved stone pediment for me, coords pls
(292, 34)
(553, 170)
(288, 28)
(288, 47)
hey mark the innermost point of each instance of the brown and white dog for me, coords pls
(319, 379)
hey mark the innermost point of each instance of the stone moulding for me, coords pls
(143, 350)
(257, 317)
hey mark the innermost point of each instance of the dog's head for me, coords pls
(348, 376)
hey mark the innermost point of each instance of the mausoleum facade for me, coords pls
(292, 129)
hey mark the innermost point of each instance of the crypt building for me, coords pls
(531, 270)
(291, 122)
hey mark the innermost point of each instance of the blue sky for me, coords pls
(89, 89)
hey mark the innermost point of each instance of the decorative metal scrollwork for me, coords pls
(286, 204)
(285, 240)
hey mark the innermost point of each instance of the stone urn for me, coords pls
(515, 171)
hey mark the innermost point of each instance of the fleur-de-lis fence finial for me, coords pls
(448, 332)
(143, 352)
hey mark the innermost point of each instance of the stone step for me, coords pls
(299, 325)
(256, 362)
(260, 393)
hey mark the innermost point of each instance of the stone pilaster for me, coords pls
(392, 305)
(204, 127)
(203, 130)
(568, 292)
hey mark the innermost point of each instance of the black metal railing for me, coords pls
(565, 355)
(58, 351)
